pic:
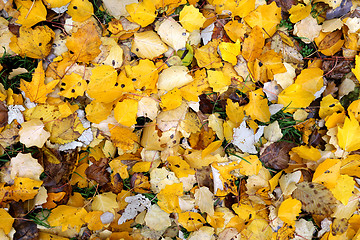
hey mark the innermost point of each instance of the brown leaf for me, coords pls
(315, 198)
(3, 114)
(97, 171)
(25, 229)
(336, 69)
(330, 40)
(276, 155)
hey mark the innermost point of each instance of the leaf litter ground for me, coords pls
(179, 119)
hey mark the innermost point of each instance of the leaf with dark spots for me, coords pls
(203, 177)
(336, 68)
(97, 171)
(276, 155)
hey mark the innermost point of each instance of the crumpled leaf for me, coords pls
(32, 133)
(245, 138)
(289, 210)
(66, 216)
(136, 205)
(31, 12)
(34, 43)
(191, 19)
(36, 90)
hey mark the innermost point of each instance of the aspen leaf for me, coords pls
(354, 108)
(169, 197)
(310, 79)
(66, 216)
(66, 130)
(136, 205)
(266, 17)
(52, 198)
(36, 90)
(174, 77)
(252, 46)
(244, 138)
(343, 189)
(250, 165)
(258, 108)
(157, 219)
(84, 44)
(299, 12)
(356, 70)
(207, 56)
(105, 202)
(148, 45)
(191, 220)
(230, 51)
(204, 199)
(307, 29)
(144, 75)
(32, 133)
(125, 112)
(6, 221)
(351, 165)
(117, 167)
(218, 80)
(289, 210)
(98, 111)
(72, 86)
(191, 19)
(171, 100)
(143, 13)
(22, 189)
(34, 43)
(329, 105)
(272, 132)
(122, 137)
(93, 220)
(308, 153)
(348, 136)
(327, 173)
(80, 10)
(173, 34)
(234, 112)
(180, 167)
(30, 12)
(295, 96)
(235, 30)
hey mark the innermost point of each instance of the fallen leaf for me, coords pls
(289, 210)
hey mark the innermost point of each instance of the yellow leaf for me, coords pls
(171, 100)
(258, 108)
(93, 220)
(79, 176)
(329, 105)
(31, 12)
(230, 51)
(266, 17)
(211, 148)
(354, 108)
(80, 10)
(253, 45)
(98, 111)
(332, 3)
(274, 181)
(191, 221)
(308, 153)
(191, 19)
(349, 135)
(217, 220)
(141, 167)
(144, 75)
(105, 202)
(125, 112)
(66, 130)
(299, 12)
(117, 167)
(289, 210)
(32, 128)
(343, 189)
(52, 199)
(218, 81)
(66, 109)
(66, 216)
(234, 112)
(148, 45)
(142, 13)
(6, 221)
(122, 137)
(295, 97)
(84, 44)
(103, 85)
(36, 90)
(169, 197)
(235, 30)
(72, 86)
(356, 70)
(180, 167)
(351, 165)
(311, 79)
(327, 173)
(192, 90)
(251, 166)
(207, 56)
(22, 189)
(273, 63)
(34, 43)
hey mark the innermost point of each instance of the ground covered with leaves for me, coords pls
(175, 119)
